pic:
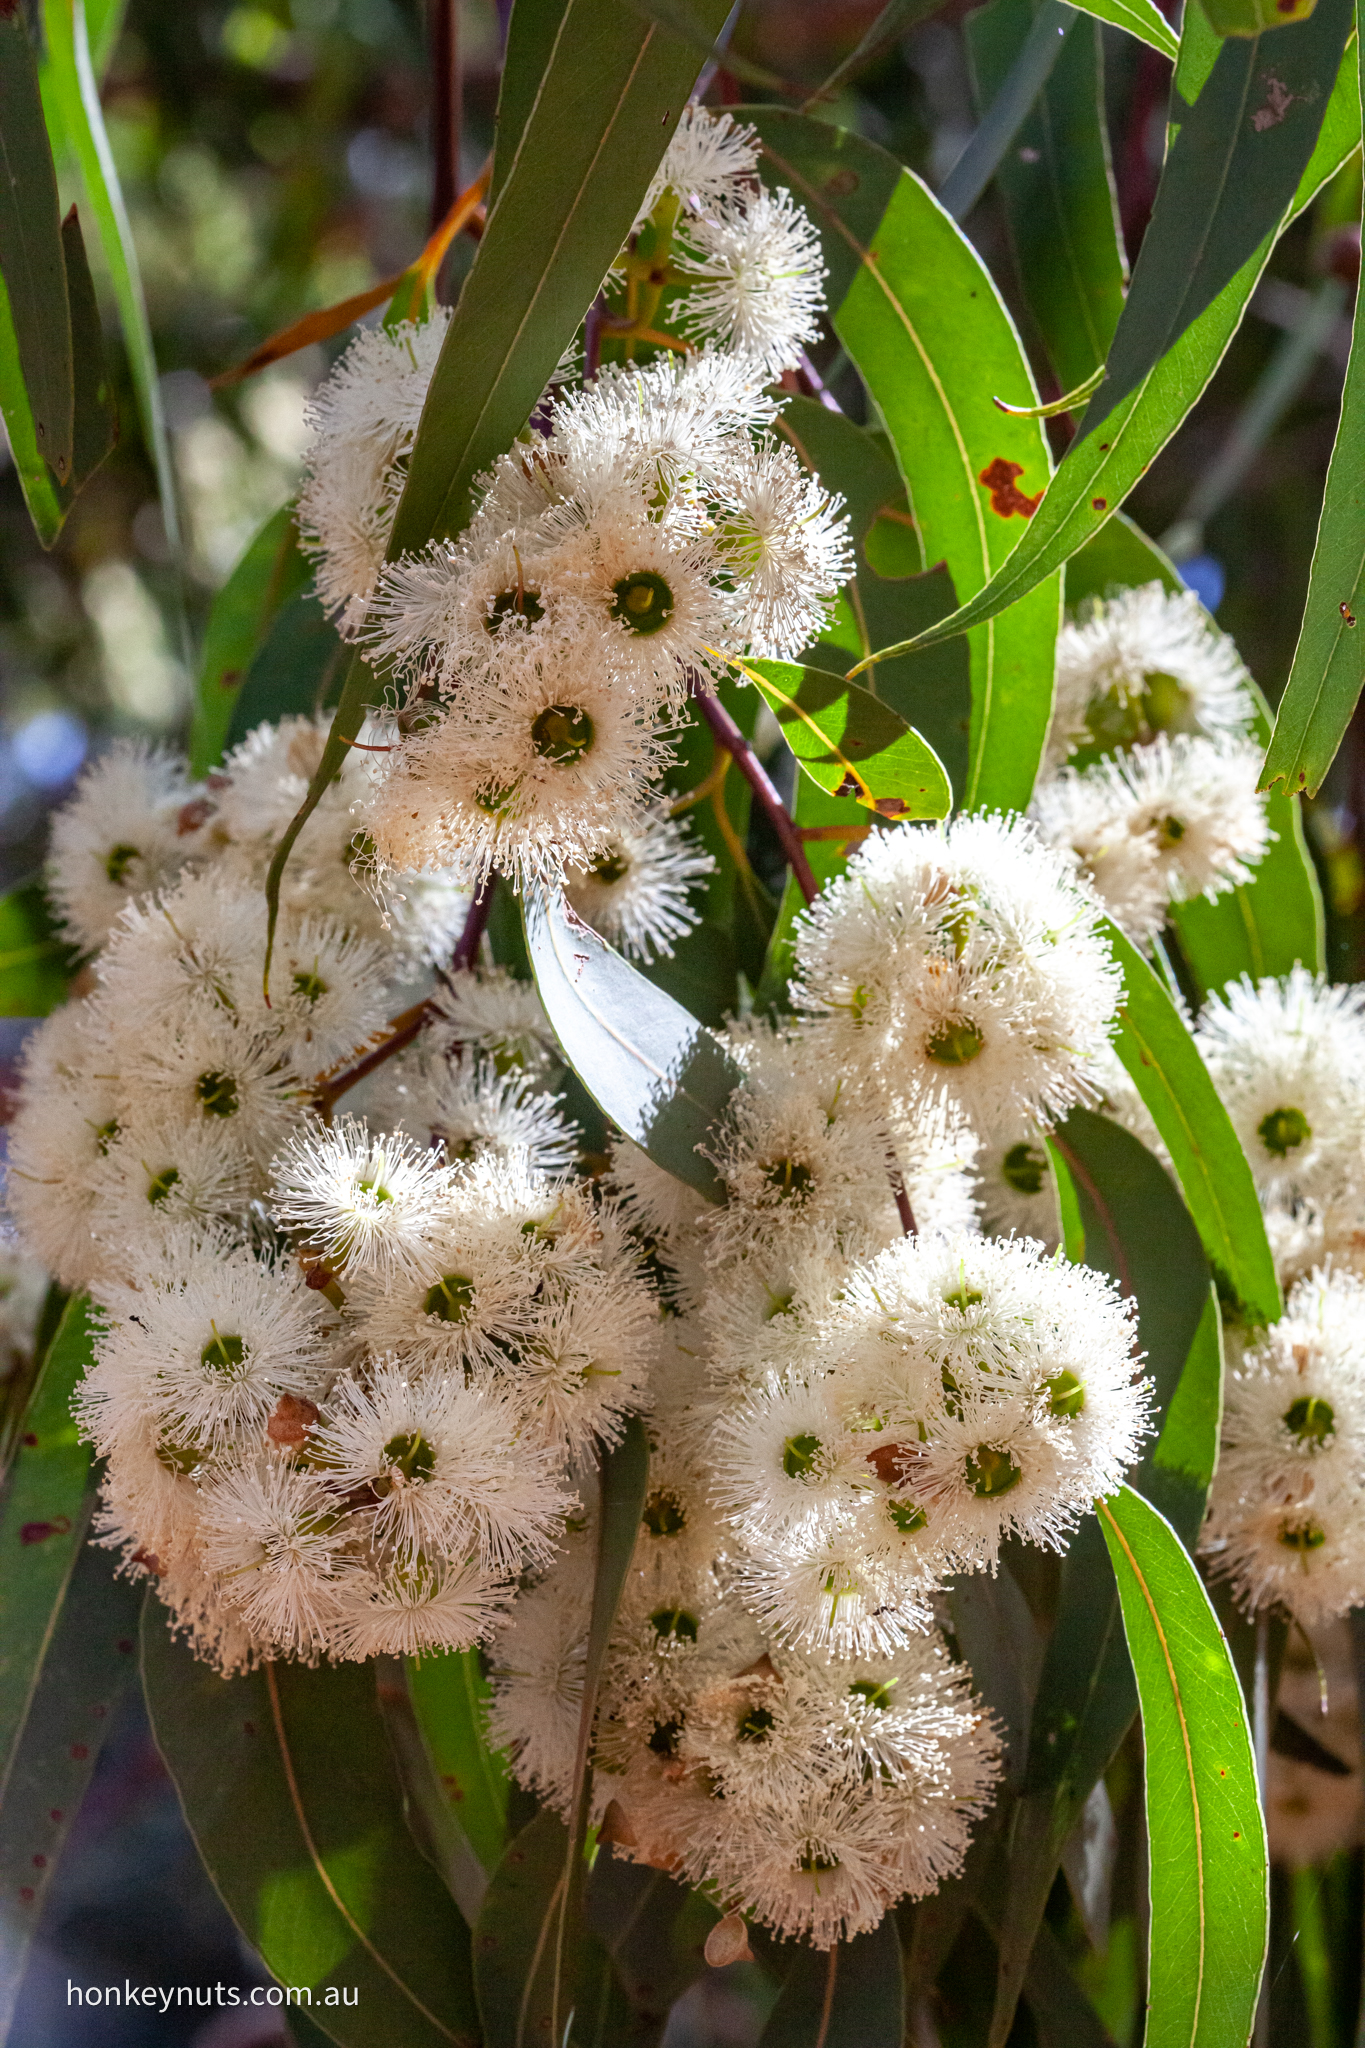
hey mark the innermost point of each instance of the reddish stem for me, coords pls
(445, 107)
(760, 782)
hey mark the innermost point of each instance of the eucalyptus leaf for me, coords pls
(648, 1065)
(852, 744)
(291, 1794)
(32, 262)
(34, 958)
(1206, 1835)
(1155, 1045)
(849, 1996)
(271, 571)
(653, 1928)
(449, 1694)
(514, 1939)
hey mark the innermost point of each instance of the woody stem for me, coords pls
(729, 736)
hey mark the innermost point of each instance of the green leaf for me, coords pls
(270, 571)
(896, 19)
(1206, 1834)
(646, 1063)
(891, 595)
(1324, 682)
(73, 100)
(1105, 461)
(290, 1792)
(514, 1941)
(701, 971)
(815, 809)
(43, 1517)
(1119, 557)
(921, 317)
(297, 667)
(654, 1930)
(34, 959)
(432, 1817)
(852, 744)
(1058, 190)
(623, 1476)
(1140, 18)
(90, 1664)
(1155, 1046)
(31, 258)
(611, 94)
(448, 1695)
(851, 1996)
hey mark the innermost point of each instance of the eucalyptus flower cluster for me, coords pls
(1152, 764)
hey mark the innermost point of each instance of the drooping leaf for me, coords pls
(90, 1663)
(1140, 18)
(1263, 926)
(611, 89)
(514, 1940)
(623, 1476)
(31, 259)
(653, 1929)
(850, 1996)
(43, 1517)
(94, 418)
(1008, 108)
(71, 87)
(270, 572)
(291, 1795)
(448, 1694)
(1058, 190)
(1104, 462)
(1206, 1835)
(297, 667)
(432, 1817)
(647, 1064)
(1163, 1061)
(921, 317)
(701, 972)
(1324, 682)
(891, 594)
(34, 959)
(852, 744)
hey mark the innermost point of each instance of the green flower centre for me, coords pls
(105, 1136)
(374, 1188)
(118, 860)
(217, 1094)
(1065, 1395)
(955, 1045)
(223, 1354)
(178, 1458)
(664, 1514)
(1310, 1419)
(675, 1622)
(611, 867)
(361, 851)
(876, 1692)
(756, 1725)
(514, 604)
(963, 1297)
(451, 1299)
(907, 1516)
(1302, 1536)
(1166, 703)
(562, 733)
(1024, 1168)
(799, 1456)
(410, 1454)
(1170, 832)
(642, 601)
(991, 1473)
(311, 987)
(791, 1179)
(815, 1862)
(494, 799)
(160, 1185)
(1283, 1130)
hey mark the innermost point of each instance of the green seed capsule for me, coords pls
(664, 1514)
(956, 1045)
(217, 1094)
(1282, 1131)
(1024, 1168)
(410, 1454)
(1311, 1420)
(1066, 1396)
(562, 733)
(450, 1299)
(991, 1473)
(799, 1455)
(642, 601)
(675, 1622)
(223, 1354)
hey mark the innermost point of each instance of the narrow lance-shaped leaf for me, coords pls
(647, 1064)
(1164, 1063)
(288, 1787)
(433, 1822)
(1206, 1835)
(33, 957)
(1161, 368)
(43, 1519)
(270, 571)
(850, 743)
(1324, 682)
(31, 259)
(448, 1694)
(90, 1663)
(1058, 190)
(849, 1996)
(919, 313)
